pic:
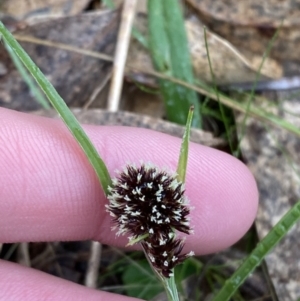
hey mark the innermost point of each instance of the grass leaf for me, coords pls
(258, 254)
(184, 150)
(170, 53)
(61, 107)
(35, 91)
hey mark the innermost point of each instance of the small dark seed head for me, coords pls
(165, 257)
(145, 201)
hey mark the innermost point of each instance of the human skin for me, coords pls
(49, 192)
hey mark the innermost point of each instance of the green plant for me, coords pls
(166, 276)
(272, 239)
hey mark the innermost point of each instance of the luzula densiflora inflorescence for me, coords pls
(149, 205)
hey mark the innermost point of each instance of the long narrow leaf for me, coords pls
(184, 149)
(258, 254)
(170, 54)
(34, 89)
(60, 106)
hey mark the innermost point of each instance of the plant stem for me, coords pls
(61, 107)
(171, 289)
(259, 253)
(39, 96)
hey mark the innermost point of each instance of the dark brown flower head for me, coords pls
(146, 201)
(165, 257)
(149, 205)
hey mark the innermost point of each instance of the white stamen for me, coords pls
(163, 178)
(162, 242)
(164, 254)
(127, 208)
(173, 184)
(192, 253)
(166, 263)
(151, 258)
(124, 186)
(139, 176)
(153, 218)
(126, 198)
(151, 231)
(149, 185)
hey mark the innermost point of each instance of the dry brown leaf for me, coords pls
(250, 25)
(229, 65)
(35, 9)
(75, 76)
(273, 157)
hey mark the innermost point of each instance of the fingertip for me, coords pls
(224, 194)
(21, 283)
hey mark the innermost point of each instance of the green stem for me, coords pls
(27, 78)
(170, 55)
(61, 107)
(259, 253)
(184, 149)
(168, 283)
(171, 289)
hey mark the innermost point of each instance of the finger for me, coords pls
(22, 283)
(49, 191)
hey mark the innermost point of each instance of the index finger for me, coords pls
(49, 191)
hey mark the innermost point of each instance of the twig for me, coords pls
(63, 46)
(23, 251)
(98, 90)
(93, 265)
(113, 105)
(121, 54)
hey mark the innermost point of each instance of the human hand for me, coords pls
(49, 192)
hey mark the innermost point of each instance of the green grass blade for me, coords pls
(224, 119)
(109, 4)
(61, 107)
(258, 254)
(35, 91)
(140, 37)
(170, 54)
(184, 150)
(252, 92)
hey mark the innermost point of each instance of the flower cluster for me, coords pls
(149, 205)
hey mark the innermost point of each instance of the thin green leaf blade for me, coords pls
(184, 149)
(170, 55)
(61, 107)
(27, 78)
(258, 254)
